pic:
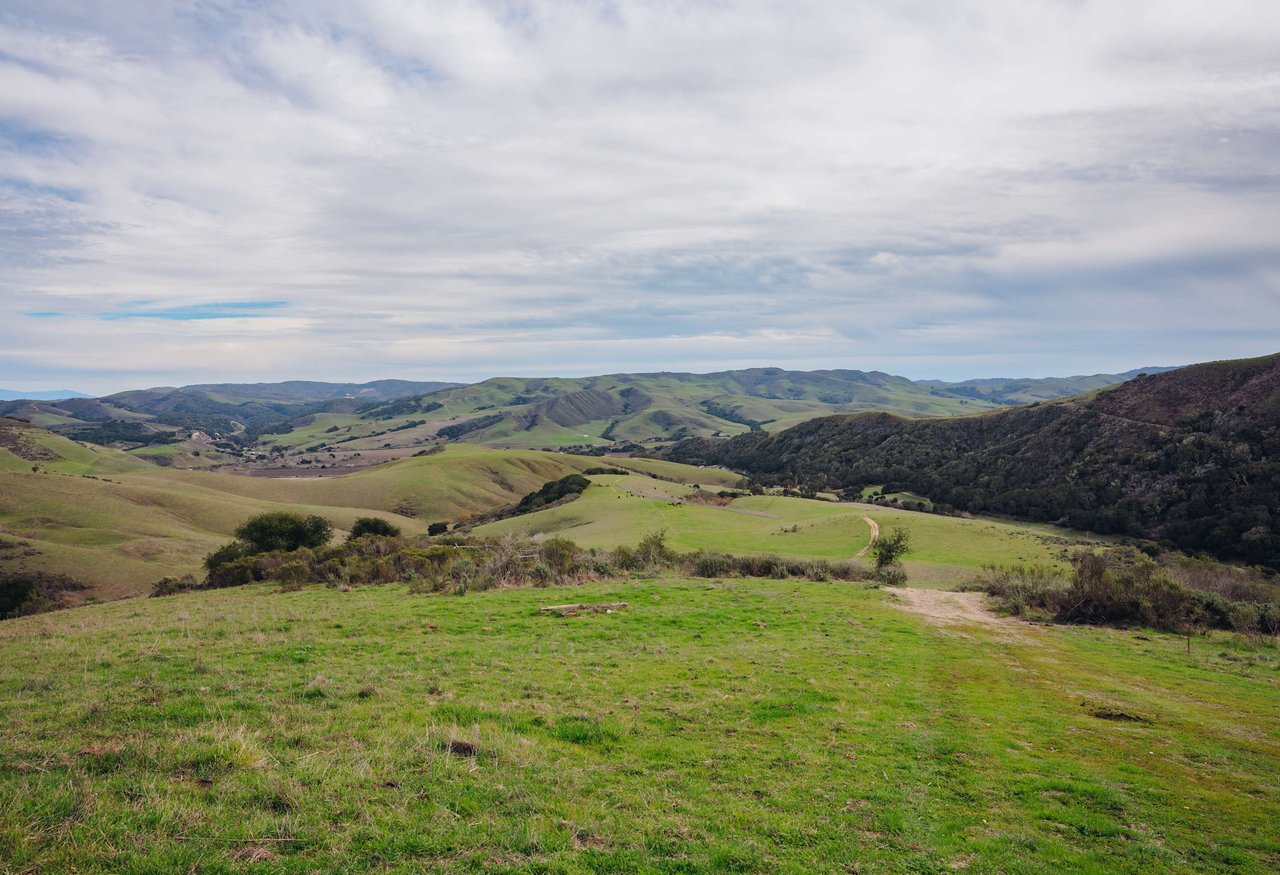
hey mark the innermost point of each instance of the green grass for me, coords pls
(620, 510)
(713, 726)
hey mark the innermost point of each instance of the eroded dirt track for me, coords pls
(875, 533)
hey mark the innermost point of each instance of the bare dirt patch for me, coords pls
(946, 608)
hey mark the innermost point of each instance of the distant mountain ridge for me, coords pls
(1026, 390)
(612, 409)
(46, 395)
(664, 406)
(1190, 457)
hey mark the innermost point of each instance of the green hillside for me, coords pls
(710, 726)
(618, 510)
(108, 520)
(651, 408)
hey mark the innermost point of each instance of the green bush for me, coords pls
(560, 555)
(280, 530)
(34, 592)
(371, 525)
(174, 585)
(653, 552)
(224, 554)
(712, 565)
(237, 572)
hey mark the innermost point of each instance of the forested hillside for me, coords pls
(1190, 457)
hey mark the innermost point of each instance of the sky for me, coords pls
(225, 190)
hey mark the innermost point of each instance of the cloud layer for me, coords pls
(208, 190)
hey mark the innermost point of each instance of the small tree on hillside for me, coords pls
(372, 525)
(887, 552)
(283, 531)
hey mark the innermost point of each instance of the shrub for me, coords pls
(237, 572)
(889, 549)
(1023, 587)
(370, 525)
(892, 577)
(560, 555)
(625, 559)
(1129, 588)
(295, 572)
(437, 529)
(712, 565)
(34, 592)
(818, 569)
(174, 585)
(224, 554)
(280, 530)
(652, 551)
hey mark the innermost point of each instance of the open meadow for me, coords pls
(710, 726)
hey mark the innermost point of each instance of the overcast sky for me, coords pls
(212, 190)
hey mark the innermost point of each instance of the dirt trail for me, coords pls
(946, 608)
(875, 533)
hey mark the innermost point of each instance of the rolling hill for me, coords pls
(651, 408)
(1189, 457)
(217, 424)
(205, 425)
(117, 524)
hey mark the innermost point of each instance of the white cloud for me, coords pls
(580, 184)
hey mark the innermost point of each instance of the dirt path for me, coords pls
(945, 608)
(875, 533)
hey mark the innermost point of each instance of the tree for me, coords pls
(281, 530)
(372, 525)
(890, 548)
(437, 528)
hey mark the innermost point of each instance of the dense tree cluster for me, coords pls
(1190, 457)
(549, 493)
(452, 432)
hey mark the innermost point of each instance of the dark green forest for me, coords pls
(1190, 458)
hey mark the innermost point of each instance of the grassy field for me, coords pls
(947, 550)
(712, 726)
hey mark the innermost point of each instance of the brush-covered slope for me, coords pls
(1191, 457)
(650, 408)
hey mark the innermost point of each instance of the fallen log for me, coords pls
(574, 610)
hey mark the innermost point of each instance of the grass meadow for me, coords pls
(711, 726)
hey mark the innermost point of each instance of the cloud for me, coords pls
(459, 189)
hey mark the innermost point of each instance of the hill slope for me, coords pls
(1190, 456)
(655, 407)
(117, 524)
